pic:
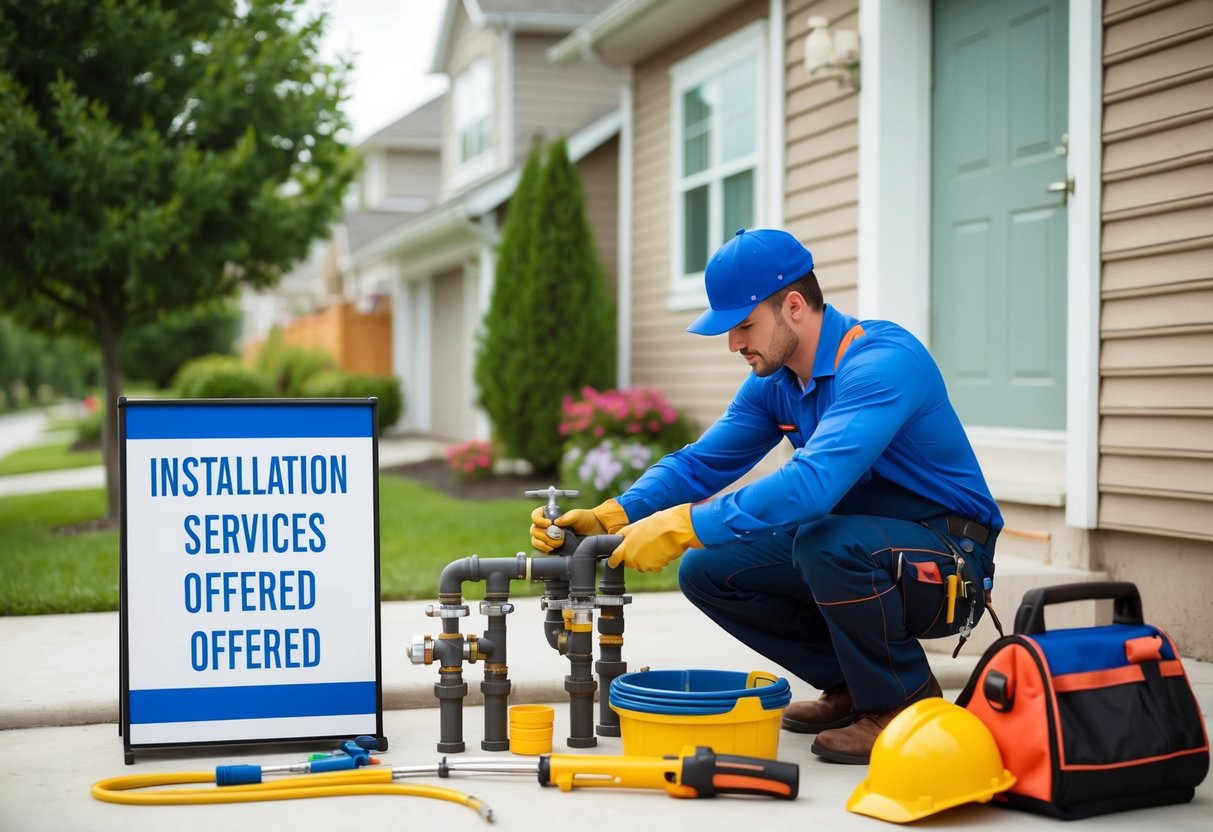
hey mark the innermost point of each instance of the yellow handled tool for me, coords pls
(953, 583)
(695, 772)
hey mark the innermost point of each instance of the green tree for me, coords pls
(157, 155)
(159, 347)
(501, 354)
(551, 326)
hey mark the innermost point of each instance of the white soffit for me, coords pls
(630, 30)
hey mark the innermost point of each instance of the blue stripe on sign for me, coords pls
(251, 421)
(252, 702)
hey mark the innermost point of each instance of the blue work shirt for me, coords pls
(883, 414)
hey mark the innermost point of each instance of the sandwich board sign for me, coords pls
(249, 571)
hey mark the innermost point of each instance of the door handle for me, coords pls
(1065, 187)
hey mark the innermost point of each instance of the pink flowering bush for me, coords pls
(612, 437)
(641, 414)
(470, 461)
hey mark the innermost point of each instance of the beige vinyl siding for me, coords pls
(452, 414)
(600, 182)
(555, 100)
(821, 134)
(467, 44)
(698, 375)
(412, 173)
(1156, 315)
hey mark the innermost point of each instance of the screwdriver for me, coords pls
(695, 772)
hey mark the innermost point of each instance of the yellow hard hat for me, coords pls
(934, 755)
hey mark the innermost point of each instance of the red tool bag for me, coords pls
(1093, 719)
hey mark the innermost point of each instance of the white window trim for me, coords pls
(472, 169)
(687, 291)
(894, 267)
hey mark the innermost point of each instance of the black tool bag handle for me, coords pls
(1126, 609)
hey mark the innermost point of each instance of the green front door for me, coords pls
(998, 239)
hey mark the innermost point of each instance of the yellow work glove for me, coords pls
(606, 518)
(649, 544)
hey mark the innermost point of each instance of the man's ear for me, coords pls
(796, 305)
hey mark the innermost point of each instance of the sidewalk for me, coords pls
(59, 707)
(59, 704)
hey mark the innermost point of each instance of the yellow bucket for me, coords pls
(748, 729)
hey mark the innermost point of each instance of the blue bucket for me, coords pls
(697, 692)
(663, 711)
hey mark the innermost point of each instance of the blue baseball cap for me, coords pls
(746, 271)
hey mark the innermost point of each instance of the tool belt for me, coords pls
(962, 527)
(1093, 719)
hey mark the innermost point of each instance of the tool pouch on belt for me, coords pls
(924, 578)
(1093, 719)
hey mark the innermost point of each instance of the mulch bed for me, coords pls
(437, 475)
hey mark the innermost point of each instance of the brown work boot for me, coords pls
(833, 709)
(853, 744)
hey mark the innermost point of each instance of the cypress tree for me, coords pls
(502, 343)
(550, 329)
(573, 341)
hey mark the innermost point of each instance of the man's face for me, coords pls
(764, 340)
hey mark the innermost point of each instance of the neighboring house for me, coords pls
(400, 181)
(1074, 323)
(438, 267)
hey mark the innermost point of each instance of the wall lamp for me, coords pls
(834, 55)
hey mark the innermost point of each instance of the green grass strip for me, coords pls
(421, 530)
(51, 457)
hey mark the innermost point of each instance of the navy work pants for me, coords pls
(843, 599)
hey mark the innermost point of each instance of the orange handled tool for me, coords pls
(696, 772)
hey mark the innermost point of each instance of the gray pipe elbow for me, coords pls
(475, 568)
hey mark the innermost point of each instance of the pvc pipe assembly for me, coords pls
(569, 599)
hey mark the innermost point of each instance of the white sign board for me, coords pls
(250, 571)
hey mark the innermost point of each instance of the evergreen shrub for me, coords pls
(338, 384)
(288, 367)
(550, 329)
(220, 377)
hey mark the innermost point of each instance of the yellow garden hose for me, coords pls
(361, 781)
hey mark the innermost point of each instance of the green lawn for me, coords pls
(421, 530)
(49, 457)
(42, 571)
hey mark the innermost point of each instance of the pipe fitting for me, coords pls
(477, 648)
(421, 650)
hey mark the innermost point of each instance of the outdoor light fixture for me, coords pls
(834, 55)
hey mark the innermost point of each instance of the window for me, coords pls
(474, 118)
(717, 103)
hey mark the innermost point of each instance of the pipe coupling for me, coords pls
(421, 650)
(496, 607)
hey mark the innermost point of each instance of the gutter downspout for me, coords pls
(623, 243)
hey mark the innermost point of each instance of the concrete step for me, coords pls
(1014, 576)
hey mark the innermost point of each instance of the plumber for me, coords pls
(878, 531)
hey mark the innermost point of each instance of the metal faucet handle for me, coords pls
(552, 492)
(551, 510)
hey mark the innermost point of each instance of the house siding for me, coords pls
(697, 375)
(1156, 316)
(412, 174)
(555, 101)
(821, 134)
(452, 410)
(467, 44)
(599, 173)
